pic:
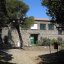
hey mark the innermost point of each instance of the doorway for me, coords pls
(33, 38)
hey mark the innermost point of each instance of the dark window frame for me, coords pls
(42, 26)
(50, 27)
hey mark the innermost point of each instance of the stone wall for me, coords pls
(52, 34)
(26, 34)
(45, 34)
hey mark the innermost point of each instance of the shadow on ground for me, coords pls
(5, 43)
(5, 57)
(53, 58)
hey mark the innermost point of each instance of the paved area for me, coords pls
(27, 56)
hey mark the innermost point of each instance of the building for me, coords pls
(41, 28)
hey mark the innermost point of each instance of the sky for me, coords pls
(36, 9)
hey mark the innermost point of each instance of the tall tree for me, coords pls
(16, 11)
(2, 18)
(2, 12)
(55, 9)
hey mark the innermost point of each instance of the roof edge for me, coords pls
(46, 19)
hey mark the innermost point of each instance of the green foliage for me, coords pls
(55, 9)
(54, 41)
(12, 10)
(2, 12)
(28, 21)
(44, 42)
(47, 42)
(16, 8)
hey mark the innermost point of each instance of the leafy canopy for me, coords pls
(2, 12)
(55, 9)
(28, 21)
(16, 8)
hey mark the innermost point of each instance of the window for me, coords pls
(34, 26)
(42, 26)
(50, 26)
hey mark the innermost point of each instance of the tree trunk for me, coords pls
(20, 37)
(1, 42)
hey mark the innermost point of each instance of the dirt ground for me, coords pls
(28, 55)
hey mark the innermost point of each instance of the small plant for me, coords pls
(53, 41)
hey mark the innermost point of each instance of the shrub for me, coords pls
(44, 42)
(53, 41)
(47, 42)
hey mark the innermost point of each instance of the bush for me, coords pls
(47, 42)
(53, 41)
(44, 42)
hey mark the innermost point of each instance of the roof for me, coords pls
(45, 19)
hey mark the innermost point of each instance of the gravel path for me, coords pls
(26, 56)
